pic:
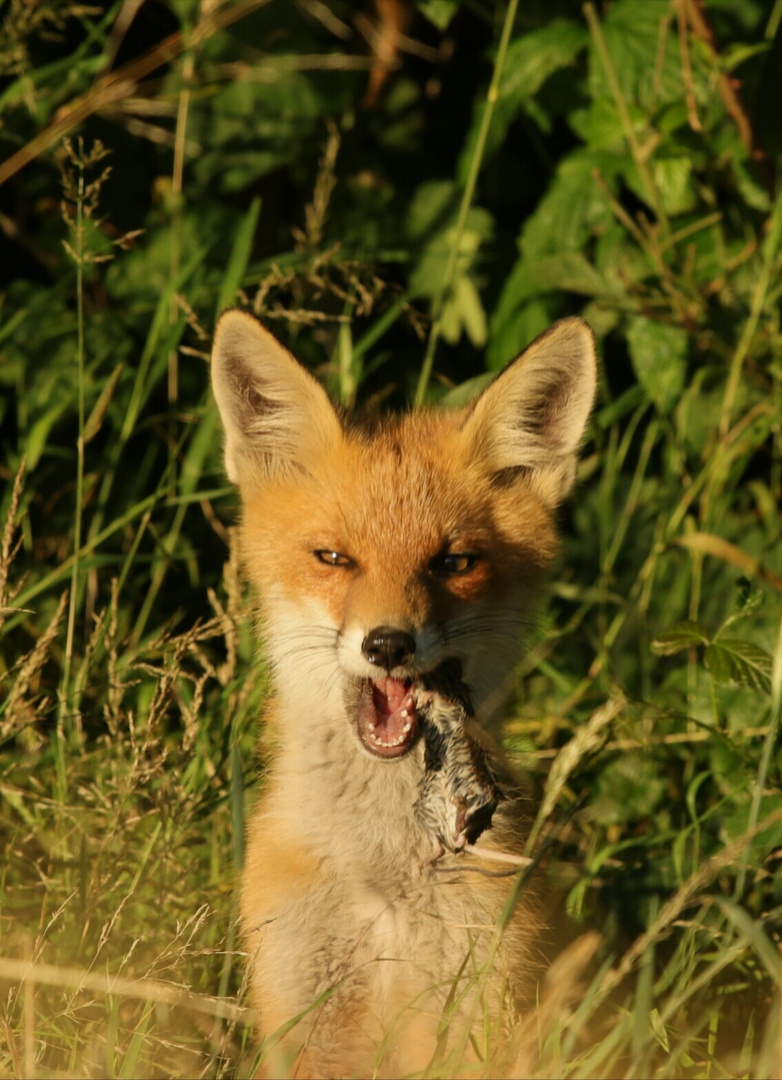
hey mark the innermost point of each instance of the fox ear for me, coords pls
(532, 417)
(276, 416)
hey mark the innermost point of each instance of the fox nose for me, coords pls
(388, 648)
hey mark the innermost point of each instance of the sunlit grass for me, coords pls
(131, 682)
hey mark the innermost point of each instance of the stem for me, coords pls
(467, 197)
(176, 238)
(769, 747)
(758, 300)
(77, 526)
(627, 124)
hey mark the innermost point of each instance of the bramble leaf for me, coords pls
(735, 662)
(684, 635)
(659, 356)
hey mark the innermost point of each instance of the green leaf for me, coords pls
(39, 432)
(465, 391)
(439, 12)
(530, 60)
(569, 271)
(750, 597)
(683, 635)
(751, 191)
(628, 789)
(433, 203)
(659, 356)
(601, 126)
(95, 419)
(734, 662)
(646, 75)
(514, 325)
(464, 311)
(240, 256)
(520, 316)
(672, 177)
(434, 213)
(428, 276)
(755, 934)
(574, 207)
(735, 824)
(731, 55)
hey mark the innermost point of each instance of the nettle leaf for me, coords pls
(672, 117)
(632, 36)
(530, 60)
(620, 260)
(659, 356)
(683, 635)
(601, 126)
(672, 177)
(568, 271)
(734, 662)
(574, 207)
(521, 314)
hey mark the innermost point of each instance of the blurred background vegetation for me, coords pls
(407, 192)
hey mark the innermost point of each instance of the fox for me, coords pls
(394, 557)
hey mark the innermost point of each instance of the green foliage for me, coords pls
(624, 169)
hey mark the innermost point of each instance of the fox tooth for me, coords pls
(405, 713)
(406, 728)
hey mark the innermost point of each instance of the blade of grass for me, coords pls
(770, 745)
(239, 257)
(466, 203)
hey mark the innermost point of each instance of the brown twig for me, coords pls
(728, 87)
(684, 49)
(120, 84)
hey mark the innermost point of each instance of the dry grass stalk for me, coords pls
(153, 990)
(9, 548)
(21, 710)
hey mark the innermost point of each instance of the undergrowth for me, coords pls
(408, 194)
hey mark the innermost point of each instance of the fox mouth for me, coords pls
(387, 719)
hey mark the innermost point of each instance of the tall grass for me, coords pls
(641, 183)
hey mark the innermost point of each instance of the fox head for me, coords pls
(384, 550)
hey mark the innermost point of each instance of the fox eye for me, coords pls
(333, 558)
(456, 562)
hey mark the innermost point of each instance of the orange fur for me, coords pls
(426, 536)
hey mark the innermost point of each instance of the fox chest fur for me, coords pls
(383, 555)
